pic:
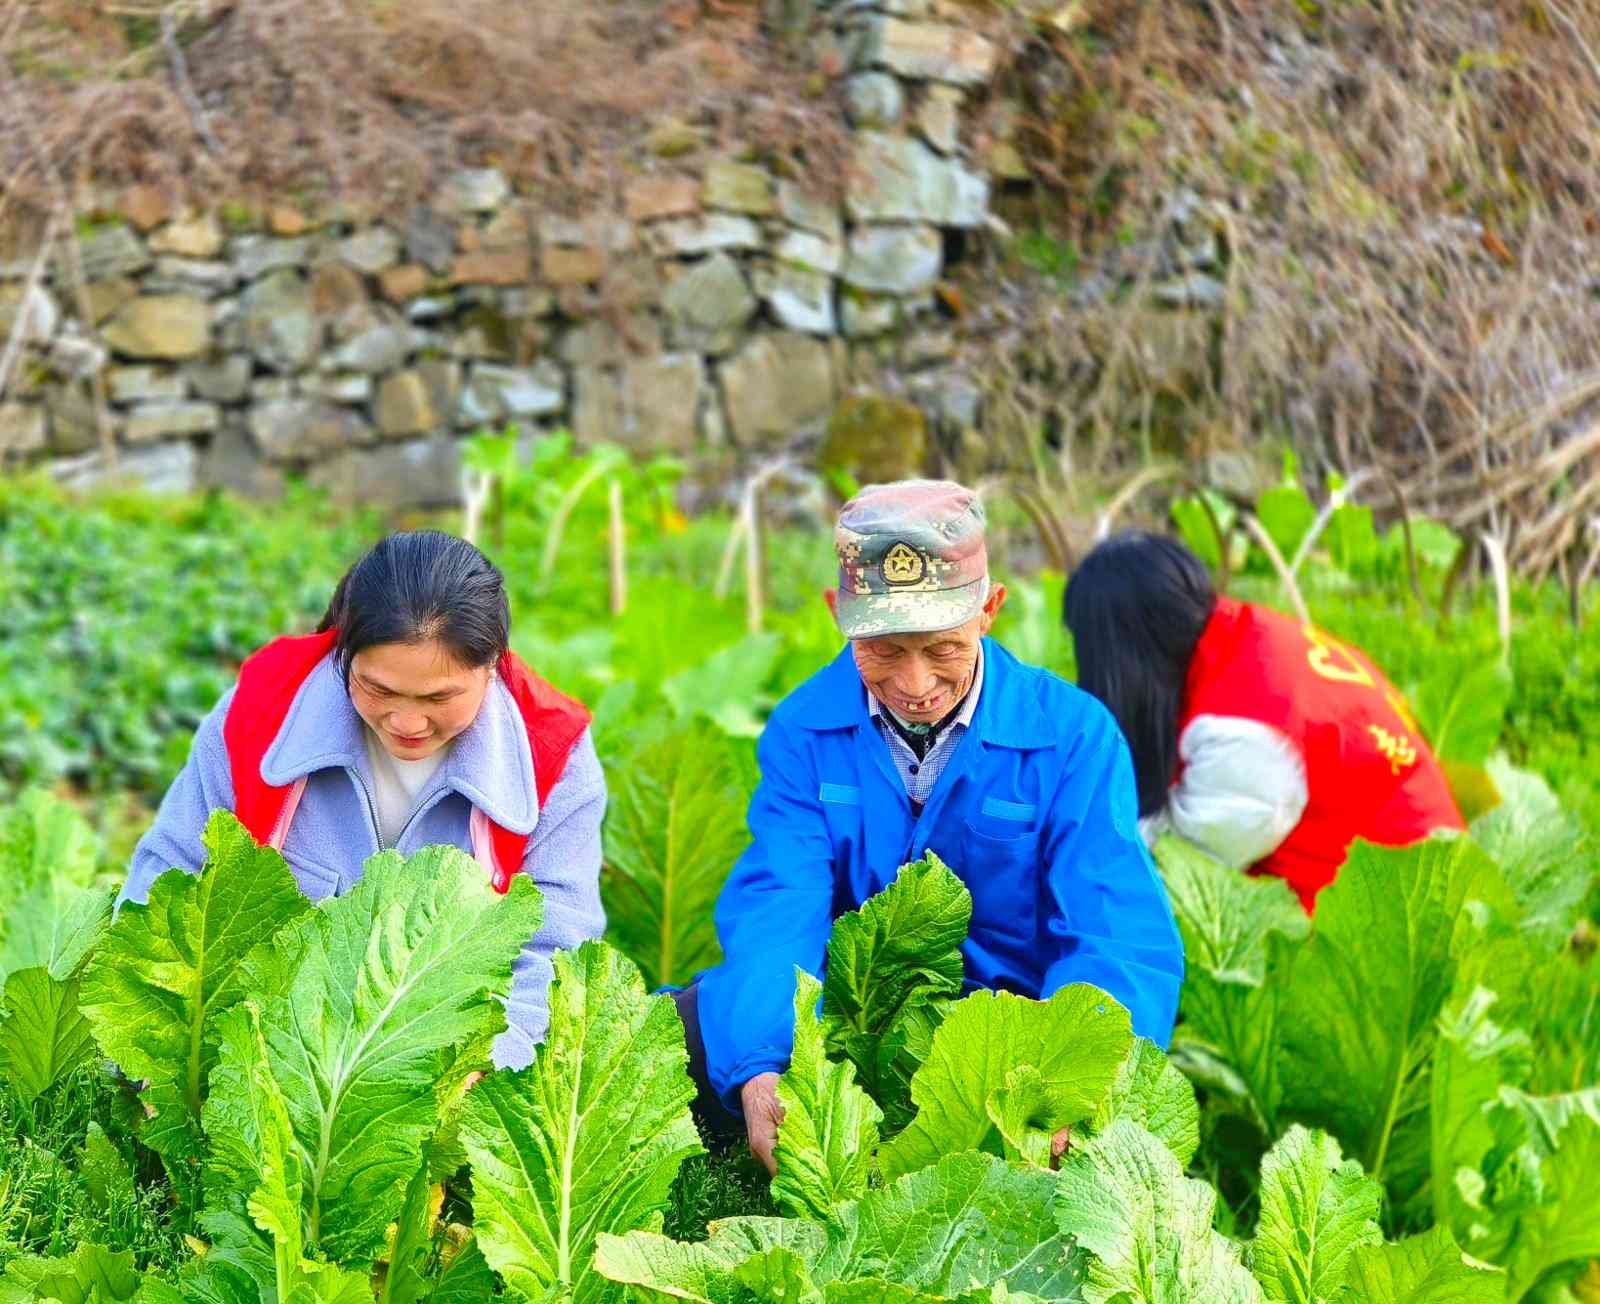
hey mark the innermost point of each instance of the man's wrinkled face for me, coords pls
(921, 677)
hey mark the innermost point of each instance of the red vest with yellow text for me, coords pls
(269, 680)
(1369, 772)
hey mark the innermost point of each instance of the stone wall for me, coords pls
(722, 308)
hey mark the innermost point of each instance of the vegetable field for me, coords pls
(232, 1096)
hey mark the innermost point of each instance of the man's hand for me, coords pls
(762, 1114)
(1060, 1143)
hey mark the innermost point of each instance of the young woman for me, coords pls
(1266, 742)
(404, 722)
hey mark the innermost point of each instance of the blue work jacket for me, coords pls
(1036, 811)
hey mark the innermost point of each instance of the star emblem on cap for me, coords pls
(903, 564)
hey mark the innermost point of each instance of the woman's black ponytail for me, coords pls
(1137, 606)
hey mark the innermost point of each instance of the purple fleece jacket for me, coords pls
(334, 832)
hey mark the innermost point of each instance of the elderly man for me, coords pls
(922, 734)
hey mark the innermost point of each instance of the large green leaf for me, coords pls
(672, 833)
(466, 1278)
(1024, 1116)
(902, 948)
(1316, 1208)
(658, 1268)
(1540, 848)
(1150, 1091)
(900, 1052)
(1461, 707)
(1075, 1042)
(729, 686)
(1426, 1269)
(1352, 540)
(103, 1171)
(1240, 936)
(968, 1221)
(956, 1231)
(1365, 995)
(392, 977)
(1147, 1227)
(168, 967)
(55, 926)
(42, 840)
(91, 1274)
(1287, 514)
(830, 1126)
(51, 914)
(1547, 1187)
(586, 1140)
(43, 1037)
(1474, 1058)
(255, 1162)
(406, 1278)
(1562, 1015)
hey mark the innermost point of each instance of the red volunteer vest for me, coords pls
(269, 680)
(1369, 772)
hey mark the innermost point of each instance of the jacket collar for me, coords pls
(490, 763)
(1008, 714)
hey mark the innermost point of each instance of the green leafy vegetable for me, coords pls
(966, 1222)
(1240, 937)
(256, 1169)
(1461, 706)
(1475, 1056)
(1543, 1184)
(1123, 1197)
(168, 967)
(1365, 995)
(406, 1279)
(1075, 1043)
(92, 1274)
(1288, 515)
(728, 687)
(1150, 1091)
(887, 964)
(104, 1172)
(1541, 850)
(955, 1231)
(43, 1037)
(587, 1139)
(830, 1126)
(1426, 1269)
(720, 1269)
(673, 830)
(392, 977)
(51, 914)
(1317, 1207)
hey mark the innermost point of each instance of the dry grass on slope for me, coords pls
(1408, 193)
(371, 99)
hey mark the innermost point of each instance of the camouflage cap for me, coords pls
(911, 559)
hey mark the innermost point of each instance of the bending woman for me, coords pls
(404, 722)
(1266, 742)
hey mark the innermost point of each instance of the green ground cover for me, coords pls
(1293, 1147)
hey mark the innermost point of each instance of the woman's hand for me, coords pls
(762, 1114)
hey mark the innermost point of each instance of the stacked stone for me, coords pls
(723, 307)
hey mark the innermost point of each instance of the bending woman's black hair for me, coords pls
(1136, 606)
(410, 588)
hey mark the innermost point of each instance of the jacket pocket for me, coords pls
(1002, 872)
